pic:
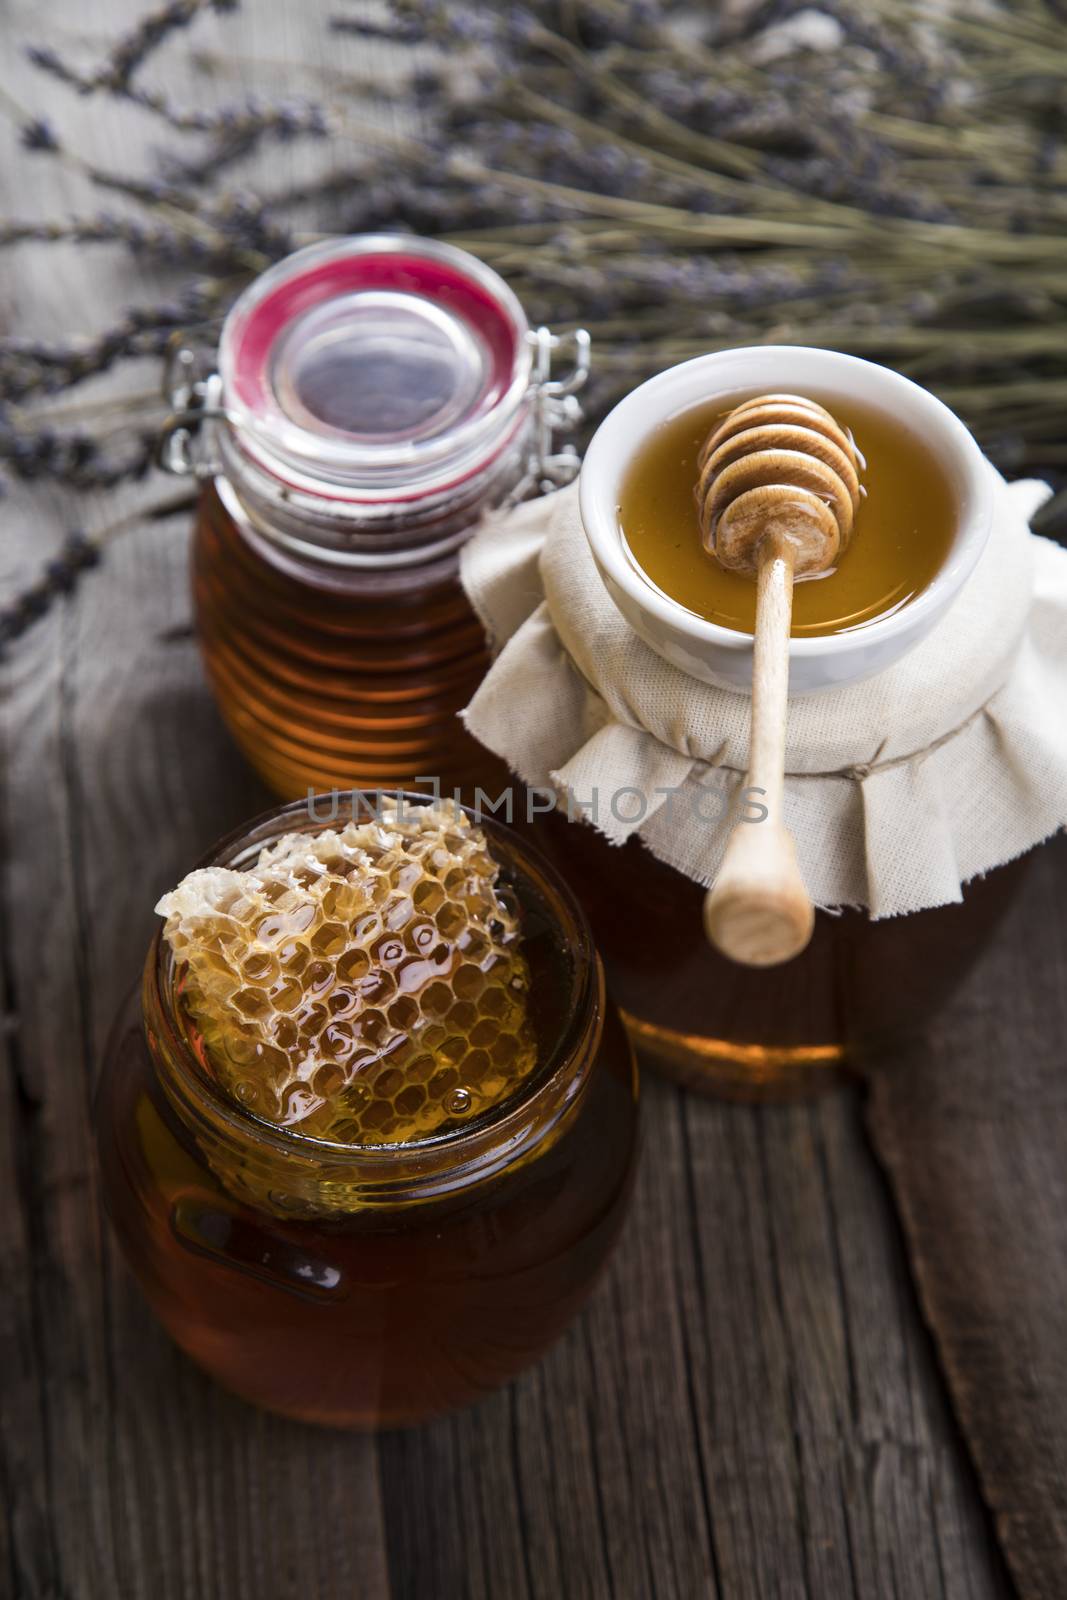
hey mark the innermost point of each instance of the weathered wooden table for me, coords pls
(751, 1406)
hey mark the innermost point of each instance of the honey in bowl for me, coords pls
(901, 535)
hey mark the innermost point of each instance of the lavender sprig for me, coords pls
(60, 575)
(156, 241)
(75, 459)
(33, 368)
(38, 134)
(115, 73)
(78, 554)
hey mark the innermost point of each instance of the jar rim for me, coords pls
(504, 1126)
(274, 303)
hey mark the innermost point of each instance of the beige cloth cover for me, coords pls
(898, 789)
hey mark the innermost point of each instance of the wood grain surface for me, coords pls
(972, 1124)
(751, 1406)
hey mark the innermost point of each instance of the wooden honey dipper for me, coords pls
(778, 490)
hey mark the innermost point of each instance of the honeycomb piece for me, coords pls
(366, 986)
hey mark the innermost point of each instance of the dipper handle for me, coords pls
(759, 911)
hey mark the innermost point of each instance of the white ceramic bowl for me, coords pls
(723, 656)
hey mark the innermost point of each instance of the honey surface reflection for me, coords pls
(902, 533)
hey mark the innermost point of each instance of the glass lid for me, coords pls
(367, 360)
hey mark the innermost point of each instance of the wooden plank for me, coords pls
(972, 1125)
(28, 1555)
(749, 1408)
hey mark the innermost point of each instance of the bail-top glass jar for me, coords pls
(364, 1285)
(374, 397)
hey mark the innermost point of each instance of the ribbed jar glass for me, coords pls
(374, 398)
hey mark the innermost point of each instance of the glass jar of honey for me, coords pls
(707, 1020)
(362, 1283)
(374, 397)
(908, 732)
(780, 1032)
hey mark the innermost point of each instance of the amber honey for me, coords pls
(901, 536)
(361, 1284)
(748, 1032)
(330, 678)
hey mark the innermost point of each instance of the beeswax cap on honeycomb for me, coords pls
(365, 985)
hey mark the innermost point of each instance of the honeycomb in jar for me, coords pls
(365, 985)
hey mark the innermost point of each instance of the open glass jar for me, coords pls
(373, 1285)
(374, 397)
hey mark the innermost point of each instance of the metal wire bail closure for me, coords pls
(193, 400)
(555, 410)
(184, 447)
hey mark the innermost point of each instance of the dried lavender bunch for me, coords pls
(886, 177)
(679, 182)
(883, 165)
